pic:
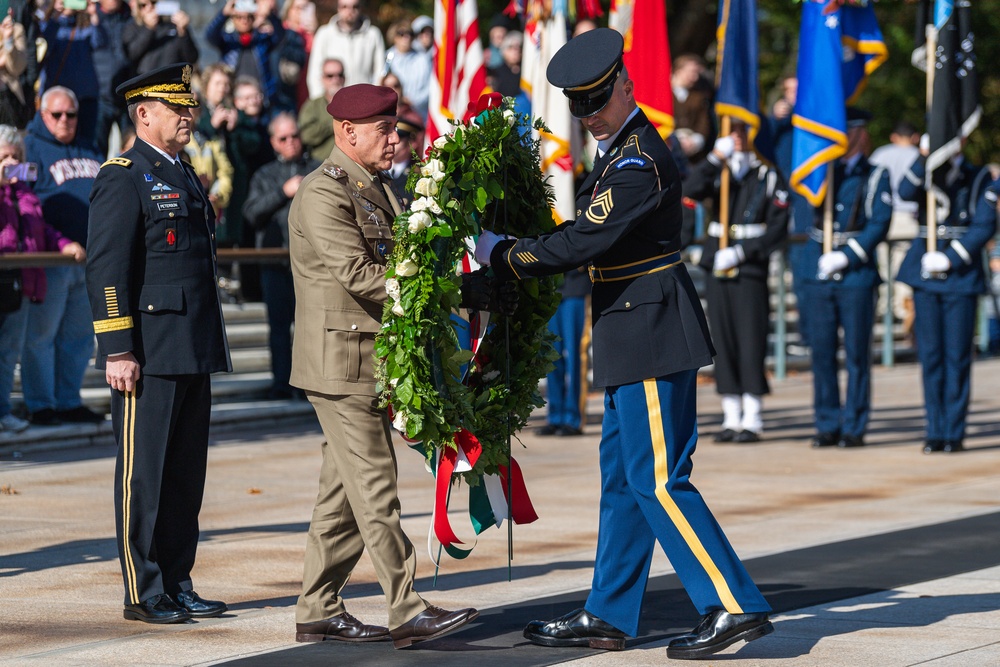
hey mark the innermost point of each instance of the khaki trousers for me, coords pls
(357, 507)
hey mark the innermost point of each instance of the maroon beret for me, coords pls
(362, 100)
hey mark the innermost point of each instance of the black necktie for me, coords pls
(188, 177)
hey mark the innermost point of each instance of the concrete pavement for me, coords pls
(880, 556)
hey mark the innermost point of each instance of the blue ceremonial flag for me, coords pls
(839, 47)
(737, 90)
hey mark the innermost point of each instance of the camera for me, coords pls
(25, 171)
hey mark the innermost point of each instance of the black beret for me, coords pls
(857, 117)
(587, 68)
(170, 84)
(363, 100)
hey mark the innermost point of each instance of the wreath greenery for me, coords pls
(483, 174)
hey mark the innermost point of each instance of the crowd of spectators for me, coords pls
(262, 124)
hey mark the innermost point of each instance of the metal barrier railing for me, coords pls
(44, 259)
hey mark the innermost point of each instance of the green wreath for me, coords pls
(484, 174)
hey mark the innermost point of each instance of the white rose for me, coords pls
(441, 141)
(434, 168)
(427, 187)
(399, 421)
(392, 288)
(406, 268)
(419, 220)
(508, 116)
(433, 206)
(397, 310)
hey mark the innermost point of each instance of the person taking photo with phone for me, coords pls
(158, 36)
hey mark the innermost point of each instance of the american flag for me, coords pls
(459, 68)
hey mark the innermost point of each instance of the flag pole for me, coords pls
(828, 210)
(723, 203)
(931, 217)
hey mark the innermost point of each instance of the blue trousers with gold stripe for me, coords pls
(648, 438)
(162, 434)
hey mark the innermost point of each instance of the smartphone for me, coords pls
(25, 171)
(76, 5)
(167, 7)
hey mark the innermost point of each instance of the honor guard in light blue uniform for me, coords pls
(841, 294)
(151, 277)
(650, 337)
(946, 287)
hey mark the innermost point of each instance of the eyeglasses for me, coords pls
(288, 137)
(333, 75)
(70, 115)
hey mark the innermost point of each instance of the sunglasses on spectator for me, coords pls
(287, 137)
(334, 75)
(70, 115)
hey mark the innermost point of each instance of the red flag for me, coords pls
(459, 69)
(643, 24)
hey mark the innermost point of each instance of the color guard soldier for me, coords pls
(736, 276)
(946, 287)
(151, 277)
(841, 294)
(650, 337)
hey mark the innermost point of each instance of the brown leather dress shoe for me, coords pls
(340, 628)
(430, 623)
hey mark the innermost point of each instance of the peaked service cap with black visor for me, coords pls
(170, 84)
(587, 68)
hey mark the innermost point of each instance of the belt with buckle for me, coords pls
(945, 231)
(606, 274)
(839, 238)
(738, 231)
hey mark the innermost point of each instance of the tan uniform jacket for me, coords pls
(339, 237)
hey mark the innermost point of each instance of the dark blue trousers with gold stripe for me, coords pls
(162, 434)
(648, 438)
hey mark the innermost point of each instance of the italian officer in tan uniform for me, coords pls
(340, 236)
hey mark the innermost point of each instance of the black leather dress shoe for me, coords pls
(548, 429)
(725, 435)
(81, 414)
(716, 631)
(429, 624)
(825, 439)
(577, 628)
(747, 435)
(950, 446)
(851, 441)
(197, 607)
(569, 431)
(45, 417)
(341, 628)
(157, 609)
(933, 445)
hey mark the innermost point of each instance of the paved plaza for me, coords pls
(876, 556)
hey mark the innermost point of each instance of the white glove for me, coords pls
(727, 258)
(832, 262)
(484, 246)
(925, 142)
(724, 147)
(934, 262)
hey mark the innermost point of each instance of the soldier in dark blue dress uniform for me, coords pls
(946, 287)
(151, 276)
(841, 294)
(650, 337)
(738, 302)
